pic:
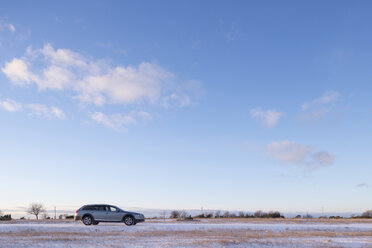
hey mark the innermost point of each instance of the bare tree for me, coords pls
(307, 216)
(226, 214)
(367, 214)
(174, 214)
(217, 214)
(163, 214)
(259, 214)
(36, 209)
(45, 216)
(1, 213)
(183, 214)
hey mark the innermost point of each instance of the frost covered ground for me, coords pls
(204, 233)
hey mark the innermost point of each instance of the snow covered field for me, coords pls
(204, 233)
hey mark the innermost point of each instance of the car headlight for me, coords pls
(139, 216)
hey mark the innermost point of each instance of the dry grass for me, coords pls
(205, 237)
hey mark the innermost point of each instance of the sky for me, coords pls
(236, 105)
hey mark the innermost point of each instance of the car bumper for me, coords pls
(77, 217)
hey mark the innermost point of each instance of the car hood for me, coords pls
(129, 212)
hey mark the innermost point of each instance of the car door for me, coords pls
(114, 214)
(100, 213)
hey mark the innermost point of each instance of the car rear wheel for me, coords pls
(88, 220)
(128, 220)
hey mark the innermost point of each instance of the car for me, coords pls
(95, 213)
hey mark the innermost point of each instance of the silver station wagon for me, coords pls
(96, 213)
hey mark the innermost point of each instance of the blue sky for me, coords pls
(240, 105)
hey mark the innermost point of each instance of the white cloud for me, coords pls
(322, 158)
(11, 28)
(268, 117)
(125, 85)
(96, 81)
(289, 152)
(329, 97)
(45, 111)
(11, 105)
(120, 122)
(17, 71)
(5, 25)
(177, 100)
(320, 107)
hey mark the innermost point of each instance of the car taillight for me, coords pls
(77, 211)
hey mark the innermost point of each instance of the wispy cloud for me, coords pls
(11, 105)
(230, 31)
(289, 152)
(120, 122)
(268, 117)
(11, 28)
(329, 97)
(319, 107)
(96, 82)
(45, 111)
(362, 185)
(49, 112)
(7, 26)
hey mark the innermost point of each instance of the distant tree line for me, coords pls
(258, 214)
(5, 216)
(226, 214)
(367, 214)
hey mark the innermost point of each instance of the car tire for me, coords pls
(128, 220)
(88, 220)
(95, 223)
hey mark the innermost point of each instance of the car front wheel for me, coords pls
(128, 220)
(88, 220)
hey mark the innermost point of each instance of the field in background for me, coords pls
(200, 233)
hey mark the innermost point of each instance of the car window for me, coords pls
(113, 209)
(101, 208)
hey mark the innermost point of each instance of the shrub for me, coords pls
(6, 217)
(271, 214)
(308, 216)
(226, 214)
(274, 214)
(174, 214)
(259, 214)
(335, 217)
(367, 214)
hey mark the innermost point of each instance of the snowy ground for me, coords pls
(204, 233)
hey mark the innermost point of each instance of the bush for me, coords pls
(271, 214)
(367, 214)
(335, 217)
(6, 217)
(247, 215)
(204, 215)
(274, 214)
(174, 214)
